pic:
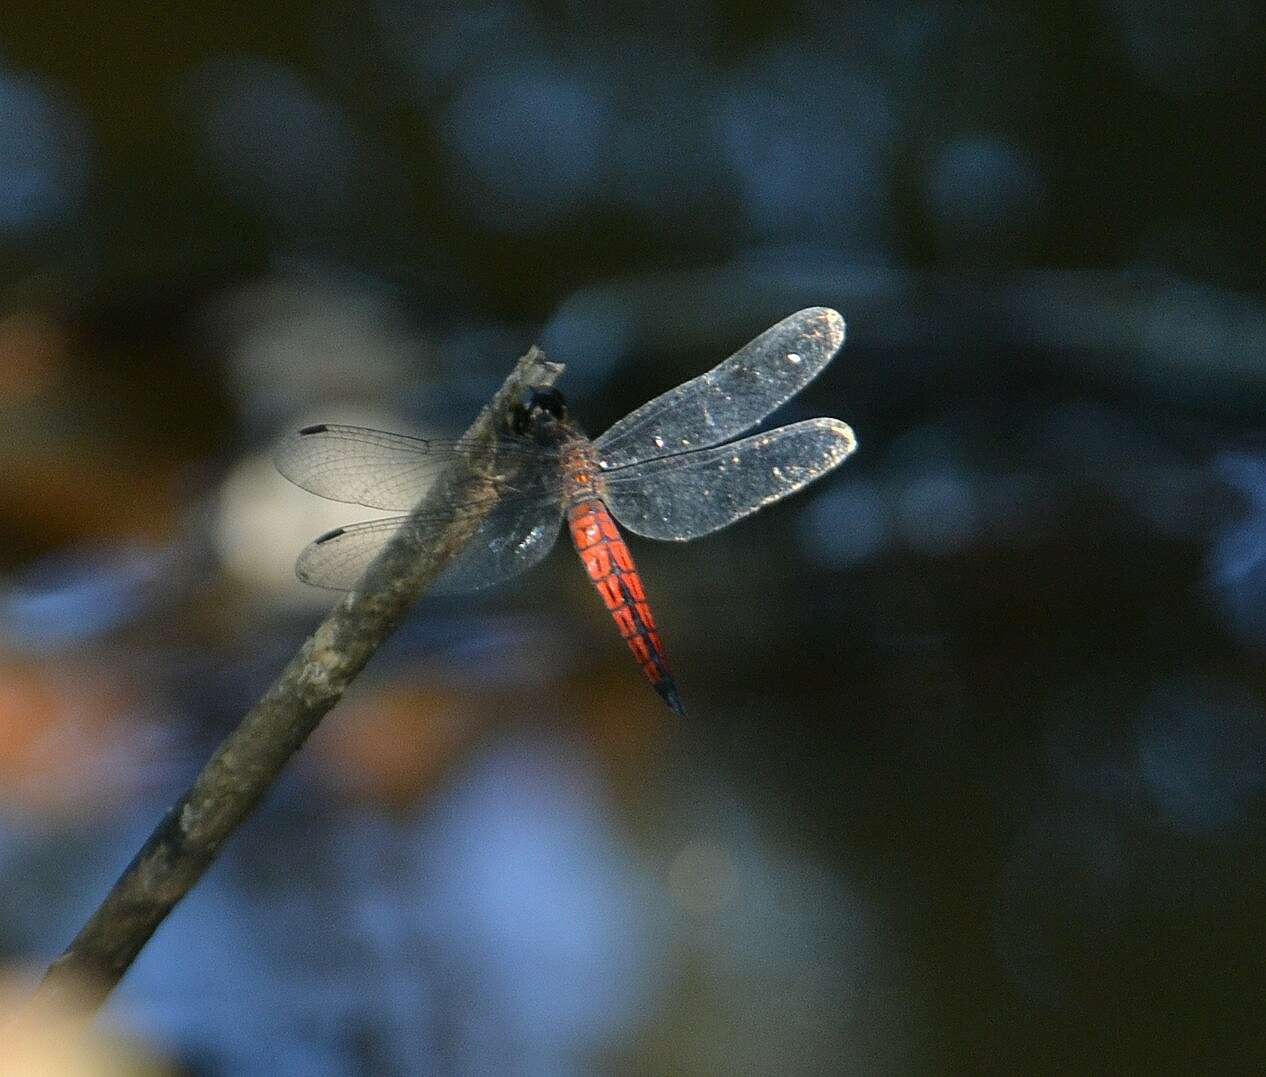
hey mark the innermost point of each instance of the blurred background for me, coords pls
(974, 778)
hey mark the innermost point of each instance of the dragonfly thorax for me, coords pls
(581, 473)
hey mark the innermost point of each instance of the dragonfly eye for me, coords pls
(536, 404)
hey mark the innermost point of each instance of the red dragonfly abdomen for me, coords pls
(615, 576)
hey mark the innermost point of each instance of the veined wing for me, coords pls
(695, 493)
(518, 532)
(731, 398)
(375, 468)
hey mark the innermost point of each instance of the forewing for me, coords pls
(731, 398)
(372, 467)
(683, 497)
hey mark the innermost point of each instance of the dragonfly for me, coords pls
(674, 469)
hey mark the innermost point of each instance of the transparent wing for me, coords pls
(517, 533)
(337, 558)
(372, 467)
(682, 497)
(731, 398)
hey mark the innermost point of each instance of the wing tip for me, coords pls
(285, 451)
(315, 577)
(834, 326)
(847, 436)
(821, 329)
(846, 440)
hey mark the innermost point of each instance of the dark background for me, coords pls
(974, 776)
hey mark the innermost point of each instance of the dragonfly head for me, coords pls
(539, 411)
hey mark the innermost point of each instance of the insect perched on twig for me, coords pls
(669, 470)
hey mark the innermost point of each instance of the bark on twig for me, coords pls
(250, 759)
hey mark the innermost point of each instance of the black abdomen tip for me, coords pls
(668, 693)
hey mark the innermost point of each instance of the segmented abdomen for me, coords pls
(613, 573)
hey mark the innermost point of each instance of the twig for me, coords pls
(249, 760)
